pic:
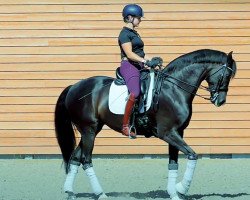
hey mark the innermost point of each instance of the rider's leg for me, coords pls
(132, 78)
(126, 118)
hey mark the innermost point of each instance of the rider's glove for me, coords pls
(155, 61)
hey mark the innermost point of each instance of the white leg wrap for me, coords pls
(68, 184)
(96, 187)
(172, 176)
(184, 185)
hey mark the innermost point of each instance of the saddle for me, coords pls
(145, 83)
(151, 81)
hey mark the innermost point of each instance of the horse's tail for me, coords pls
(63, 127)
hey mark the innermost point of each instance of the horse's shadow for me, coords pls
(158, 194)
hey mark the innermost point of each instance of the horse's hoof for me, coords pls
(71, 196)
(176, 198)
(180, 189)
(103, 196)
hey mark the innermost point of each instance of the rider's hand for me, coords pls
(158, 59)
(154, 62)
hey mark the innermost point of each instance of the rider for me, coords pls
(133, 59)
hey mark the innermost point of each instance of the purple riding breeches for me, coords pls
(131, 76)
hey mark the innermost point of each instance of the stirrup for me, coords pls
(130, 129)
(128, 132)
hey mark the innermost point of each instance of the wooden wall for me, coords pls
(45, 45)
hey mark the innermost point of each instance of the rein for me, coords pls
(216, 90)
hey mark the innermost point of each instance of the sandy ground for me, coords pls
(215, 179)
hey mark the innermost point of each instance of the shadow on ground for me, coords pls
(159, 194)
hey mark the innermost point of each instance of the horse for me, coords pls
(84, 106)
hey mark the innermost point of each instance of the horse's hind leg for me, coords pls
(74, 163)
(87, 144)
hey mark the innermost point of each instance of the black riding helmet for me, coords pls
(133, 10)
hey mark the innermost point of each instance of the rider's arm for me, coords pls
(127, 48)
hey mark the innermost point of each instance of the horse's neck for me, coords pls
(192, 74)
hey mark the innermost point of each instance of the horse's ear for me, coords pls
(230, 59)
(230, 55)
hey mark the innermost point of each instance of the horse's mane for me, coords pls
(200, 56)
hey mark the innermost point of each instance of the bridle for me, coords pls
(214, 91)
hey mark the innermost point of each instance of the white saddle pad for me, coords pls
(118, 96)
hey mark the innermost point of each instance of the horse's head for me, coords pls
(218, 80)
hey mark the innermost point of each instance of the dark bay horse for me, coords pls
(85, 105)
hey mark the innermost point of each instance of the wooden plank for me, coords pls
(27, 108)
(234, 82)
(29, 100)
(149, 41)
(234, 90)
(48, 142)
(108, 133)
(218, 116)
(62, 67)
(189, 133)
(127, 150)
(164, 150)
(117, 8)
(54, 75)
(122, 2)
(89, 50)
(51, 100)
(103, 24)
(34, 17)
(230, 100)
(33, 100)
(196, 108)
(6, 84)
(194, 124)
(166, 33)
(225, 108)
(56, 91)
(27, 117)
(222, 116)
(37, 83)
(30, 150)
(27, 133)
(228, 149)
(98, 58)
(43, 67)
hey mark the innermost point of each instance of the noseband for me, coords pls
(214, 91)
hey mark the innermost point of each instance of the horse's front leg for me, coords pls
(174, 139)
(172, 172)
